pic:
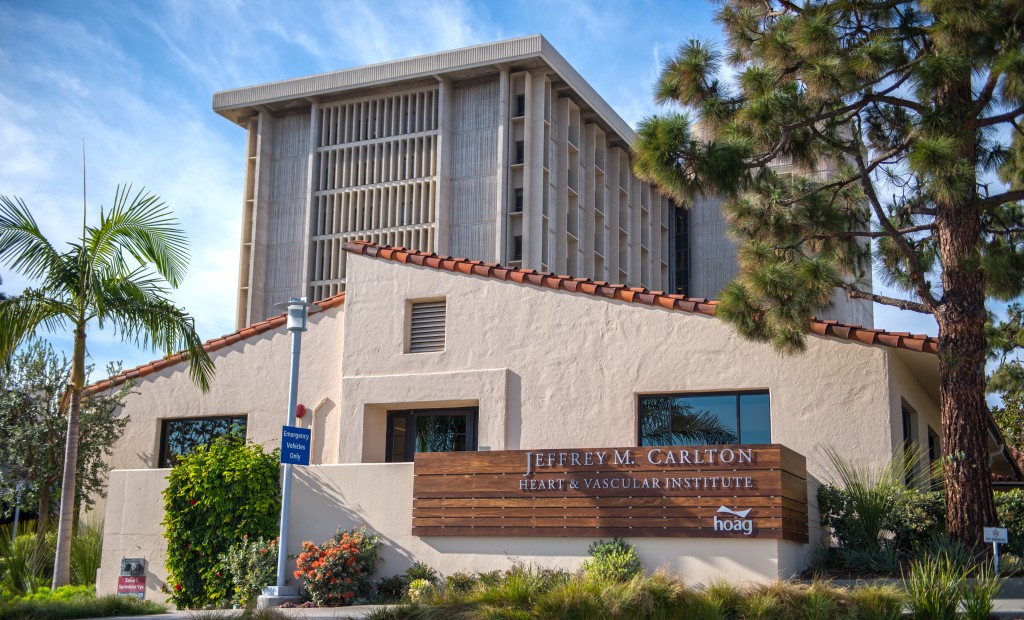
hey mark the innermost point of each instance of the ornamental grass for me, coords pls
(527, 592)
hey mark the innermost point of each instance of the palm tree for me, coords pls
(118, 274)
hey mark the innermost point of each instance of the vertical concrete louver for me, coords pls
(499, 152)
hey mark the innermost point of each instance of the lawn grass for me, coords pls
(82, 607)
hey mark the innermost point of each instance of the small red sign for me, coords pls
(132, 586)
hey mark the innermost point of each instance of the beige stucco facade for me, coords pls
(547, 369)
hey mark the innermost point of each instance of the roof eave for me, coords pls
(235, 104)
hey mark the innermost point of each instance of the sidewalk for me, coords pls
(310, 613)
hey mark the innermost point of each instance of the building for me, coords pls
(499, 152)
(507, 360)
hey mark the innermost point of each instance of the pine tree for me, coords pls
(891, 119)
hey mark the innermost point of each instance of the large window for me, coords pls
(179, 437)
(430, 430)
(703, 419)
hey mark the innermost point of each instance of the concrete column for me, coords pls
(501, 200)
(312, 181)
(443, 155)
(533, 173)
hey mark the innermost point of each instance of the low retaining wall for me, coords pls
(380, 496)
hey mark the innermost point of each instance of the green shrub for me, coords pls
(878, 516)
(419, 589)
(420, 570)
(251, 565)
(339, 571)
(979, 594)
(959, 554)
(214, 497)
(574, 599)
(874, 602)
(86, 553)
(63, 593)
(490, 578)
(1010, 509)
(934, 588)
(78, 607)
(820, 603)
(27, 562)
(460, 582)
(393, 588)
(725, 596)
(519, 587)
(614, 560)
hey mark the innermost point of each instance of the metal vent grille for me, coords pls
(426, 331)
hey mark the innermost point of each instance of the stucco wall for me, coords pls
(252, 379)
(379, 496)
(575, 365)
(547, 369)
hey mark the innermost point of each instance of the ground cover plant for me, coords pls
(68, 602)
(215, 497)
(943, 584)
(528, 592)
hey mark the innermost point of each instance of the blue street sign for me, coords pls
(295, 445)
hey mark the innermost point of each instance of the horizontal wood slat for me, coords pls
(595, 532)
(694, 491)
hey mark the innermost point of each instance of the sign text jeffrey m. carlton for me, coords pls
(692, 491)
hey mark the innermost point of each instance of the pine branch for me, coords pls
(916, 272)
(903, 304)
(998, 199)
(1011, 116)
(870, 234)
(985, 96)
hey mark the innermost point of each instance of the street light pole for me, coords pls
(298, 312)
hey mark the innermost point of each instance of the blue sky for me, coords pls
(135, 80)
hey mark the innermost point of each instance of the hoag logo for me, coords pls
(739, 522)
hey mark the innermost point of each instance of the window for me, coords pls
(517, 206)
(179, 437)
(520, 152)
(426, 326)
(934, 446)
(701, 419)
(909, 424)
(430, 430)
(520, 105)
(910, 435)
(517, 247)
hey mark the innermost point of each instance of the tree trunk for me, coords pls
(65, 528)
(969, 502)
(44, 513)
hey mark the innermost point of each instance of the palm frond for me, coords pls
(22, 245)
(21, 316)
(145, 228)
(139, 312)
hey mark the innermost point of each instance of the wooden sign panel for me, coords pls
(727, 491)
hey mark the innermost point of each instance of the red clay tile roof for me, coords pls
(699, 305)
(210, 346)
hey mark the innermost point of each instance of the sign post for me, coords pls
(298, 312)
(996, 535)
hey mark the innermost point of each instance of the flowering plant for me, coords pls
(251, 565)
(338, 572)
